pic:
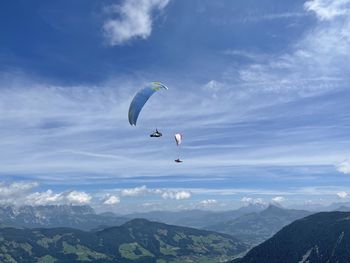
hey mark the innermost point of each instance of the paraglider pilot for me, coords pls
(156, 134)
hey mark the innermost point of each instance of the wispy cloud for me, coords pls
(208, 202)
(280, 118)
(137, 191)
(315, 63)
(274, 16)
(134, 20)
(80, 136)
(327, 10)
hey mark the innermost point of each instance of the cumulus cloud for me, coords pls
(327, 10)
(344, 167)
(43, 198)
(164, 193)
(137, 191)
(178, 195)
(78, 197)
(21, 193)
(134, 20)
(15, 193)
(342, 195)
(111, 200)
(15, 189)
(252, 201)
(49, 197)
(278, 199)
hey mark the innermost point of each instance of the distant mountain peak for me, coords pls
(273, 206)
(273, 209)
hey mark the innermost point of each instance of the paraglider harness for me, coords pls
(156, 134)
(178, 161)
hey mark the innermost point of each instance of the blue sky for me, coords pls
(259, 89)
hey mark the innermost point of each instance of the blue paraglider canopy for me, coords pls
(141, 98)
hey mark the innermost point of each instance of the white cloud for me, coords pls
(252, 56)
(278, 199)
(43, 198)
(164, 193)
(178, 195)
(137, 191)
(342, 195)
(111, 200)
(76, 197)
(208, 202)
(20, 193)
(15, 189)
(88, 121)
(328, 9)
(134, 21)
(15, 193)
(315, 64)
(49, 197)
(213, 87)
(344, 167)
(148, 204)
(252, 201)
(77, 121)
(246, 199)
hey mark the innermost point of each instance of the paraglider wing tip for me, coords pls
(160, 84)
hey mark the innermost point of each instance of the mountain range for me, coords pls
(197, 218)
(251, 224)
(85, 218)
(138, 240)
(256, 227)
(80, 217)
(65, 233)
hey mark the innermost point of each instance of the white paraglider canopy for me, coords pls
(178, 138)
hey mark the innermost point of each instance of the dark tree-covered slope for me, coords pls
(322, 237)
